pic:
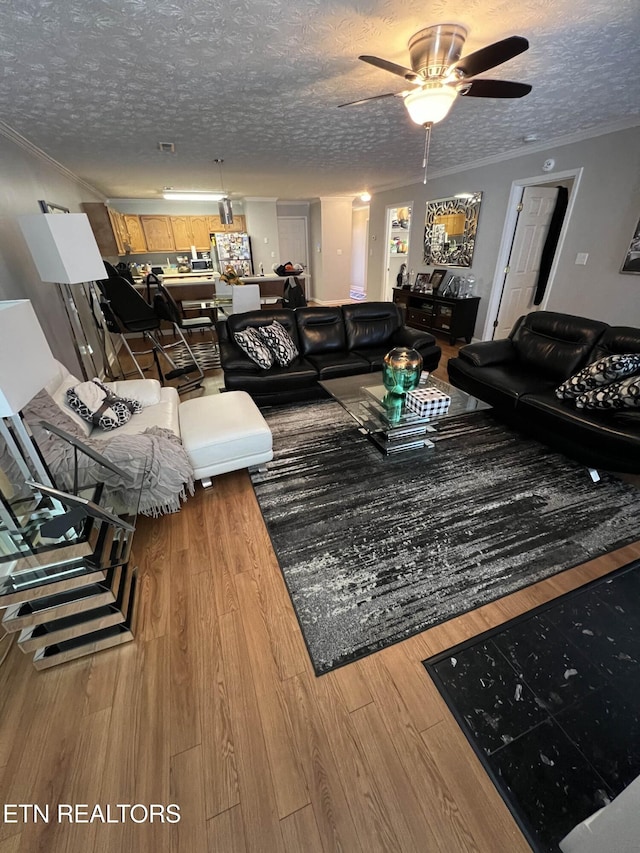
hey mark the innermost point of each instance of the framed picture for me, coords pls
(437, 277)
(422, 282)
(49, 207)
(631, 263)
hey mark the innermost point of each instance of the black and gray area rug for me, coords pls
(376, 548)
(550, 702)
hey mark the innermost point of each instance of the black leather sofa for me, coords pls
(518, 377)
(334, 341)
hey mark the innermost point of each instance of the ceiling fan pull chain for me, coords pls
(427, 142)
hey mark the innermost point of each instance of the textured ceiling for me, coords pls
(97, 83)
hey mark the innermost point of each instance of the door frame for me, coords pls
(387, 289)
(508, 233)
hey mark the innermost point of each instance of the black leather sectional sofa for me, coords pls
(334, 341)
(519, 375)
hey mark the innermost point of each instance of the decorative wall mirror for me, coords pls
(450, 230)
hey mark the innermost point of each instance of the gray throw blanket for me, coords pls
(160, 471)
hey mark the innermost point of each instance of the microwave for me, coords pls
(197, 266)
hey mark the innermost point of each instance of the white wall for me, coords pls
(26, 177)
(604, 218)
(315, 238)
(336, 229)
(262, 225)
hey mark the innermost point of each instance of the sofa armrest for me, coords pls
(485, 353)
(405, 336)
(146, 391)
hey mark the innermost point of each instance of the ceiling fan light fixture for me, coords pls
(430, 105)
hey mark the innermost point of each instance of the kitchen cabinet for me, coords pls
(239, 224)
(157, 234)
(200, 230)
(182, 232)
(191, 231)
(447, 315)
(119, 231)
(137, 242)
(130, 233)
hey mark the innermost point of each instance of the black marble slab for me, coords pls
(550, 701)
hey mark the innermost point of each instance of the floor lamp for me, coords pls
(65, 252)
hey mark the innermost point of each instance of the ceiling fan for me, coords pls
(439, 74)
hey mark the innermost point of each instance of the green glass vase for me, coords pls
(401, 369)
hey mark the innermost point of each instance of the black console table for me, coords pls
(453, 317)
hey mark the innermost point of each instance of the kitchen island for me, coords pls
(200, 286)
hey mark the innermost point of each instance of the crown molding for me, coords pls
(259, 198)
(22, 142)
(523, 150)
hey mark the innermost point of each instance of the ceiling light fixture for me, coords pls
(192, 196)
(430, 104)
(426, 106)
(365, 196)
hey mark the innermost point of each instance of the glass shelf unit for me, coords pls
(68, 592)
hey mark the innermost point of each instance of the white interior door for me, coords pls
(524, 262)
(292, 239)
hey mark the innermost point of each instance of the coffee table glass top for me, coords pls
(385, 419)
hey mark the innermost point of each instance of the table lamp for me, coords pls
(26, 366)
(65, 252)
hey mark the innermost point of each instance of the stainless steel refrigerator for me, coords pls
(233, 248)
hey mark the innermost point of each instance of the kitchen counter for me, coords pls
(190, 286)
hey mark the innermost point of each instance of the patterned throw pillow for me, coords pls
(600, 372)
(617, 395)
(279, 342)
(252, 344)
(98, 405)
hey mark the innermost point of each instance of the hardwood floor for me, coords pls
(215, 707)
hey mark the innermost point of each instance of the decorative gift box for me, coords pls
(427, 402)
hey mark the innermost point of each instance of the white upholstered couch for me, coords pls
(160, 404)
(220, 432)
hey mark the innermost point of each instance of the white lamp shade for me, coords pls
(430, 105)
(63, 247)
(26, 361)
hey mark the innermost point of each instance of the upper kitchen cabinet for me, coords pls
(200, 230)
(191, 231)
(239, 224)
(182, 232)
(137, 242)
(119, 231)
(195, 230)
(157, 234)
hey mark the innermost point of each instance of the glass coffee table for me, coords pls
(385, 419)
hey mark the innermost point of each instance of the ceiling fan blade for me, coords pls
(489, 56)
(373, 98)
(493, 89)
(400, 70)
